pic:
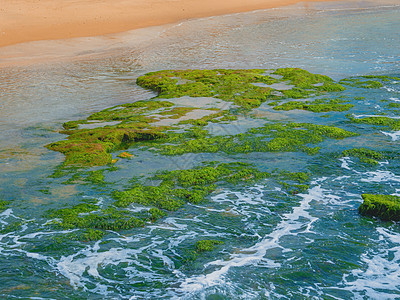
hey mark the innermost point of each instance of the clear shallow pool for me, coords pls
(312, 245)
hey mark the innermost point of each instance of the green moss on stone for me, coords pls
(394, 105)
(378, 121)
(317, 106)
(73, 124)
(365, 155)
(206, 245)
(95, 177)
(382, 77)
(304, 80)
(359, 83)
(91, 145)
(182, 186)
(3, 205)
(89, 216)
(274, 137)
(384, 207)
(235, 85)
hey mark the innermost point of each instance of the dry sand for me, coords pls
(34, 20)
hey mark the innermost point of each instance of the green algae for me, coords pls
(317, 106)
(300, 177)
(367, 156)
(181, 186)
(378, 121)
(382, 77)
(219, 117)
(131, 111)
(229, 85)
(73, 124)
(95, 177)
(206, 245)
(3, 205)
(91, 141)
(393, 105)
(360, 83)
(305, 81)
(92, 147)
(95, 220)
(292, 182)
(126, 155)
(87, 147)
(384, 207)
(236, 85)
(82, 153)
(272, 137)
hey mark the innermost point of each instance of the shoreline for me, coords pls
(36, 20)
(64, 48)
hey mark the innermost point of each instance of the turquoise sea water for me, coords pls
(313, 245)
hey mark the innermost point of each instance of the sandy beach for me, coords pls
(35, 20)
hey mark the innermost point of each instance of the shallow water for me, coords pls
(312, 245)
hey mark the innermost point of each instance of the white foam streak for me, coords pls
(89, 259)
(291, 224)
(345, 162)
(381, 176)
(395, 135)
(381, 278)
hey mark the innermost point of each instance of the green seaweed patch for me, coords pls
(73, 124)
(219, 117)
(300, 177)
(228, 85)
(274, 137)
(95, 220)
(305, 82)
(200, 248)
(129, 112)
(126, 155)
(95, 177)
(384, 207)
(393, 105)
(83, 153)
(181, 186)
(235, 85)
(12, 227)
(317, 106)
(3, 205)
(367, 156)
(382, 77)
(206, 245)
(292, 182)
(377, 121)
(87, 147)
(360, 83)
(92, 147)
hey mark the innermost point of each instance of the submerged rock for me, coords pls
(384, 207)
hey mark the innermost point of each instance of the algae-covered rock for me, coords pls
(181, 186)
(317, 106)
(239, 86)
(3, 205)
(378, 121)
(206, 245)
(384, 207)
(91, 141)
(364, 155)
(125, 155)
(272, 137)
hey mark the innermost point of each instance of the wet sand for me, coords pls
(35, 20)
